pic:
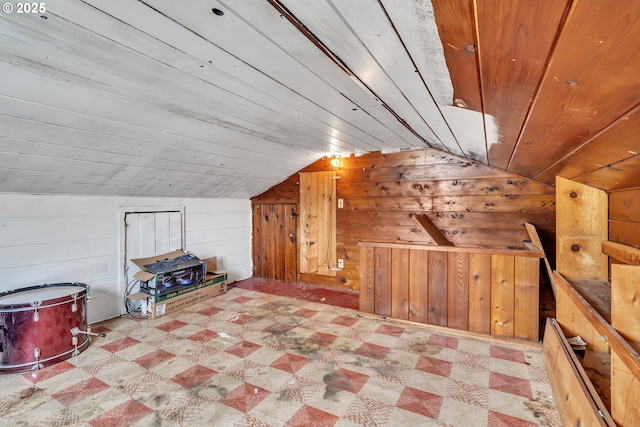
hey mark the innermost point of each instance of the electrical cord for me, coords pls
(132, 307)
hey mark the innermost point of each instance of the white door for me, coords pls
(148, 234)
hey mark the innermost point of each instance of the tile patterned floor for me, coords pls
(250, 358)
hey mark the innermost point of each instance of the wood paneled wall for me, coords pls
(473, 204)
(624, 217)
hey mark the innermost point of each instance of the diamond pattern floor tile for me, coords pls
(373, 351)
(310, 416)
(203, 336)
(120, 344)
(420, 402)
(321, 338)
(289, 362)
(245, 397)
(344, 380)
(434, 366)
(509, 384)
(49, 372)
(243, 348)
(171, 326)
(507, 354)
(210, 311)
(122, 415)
(154, 358)
(195, 375)
(80, 391)
(444, 341)
(394, 331)
(257, 357)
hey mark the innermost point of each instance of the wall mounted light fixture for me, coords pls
(336, 162)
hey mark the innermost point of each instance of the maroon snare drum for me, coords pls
(39, 325)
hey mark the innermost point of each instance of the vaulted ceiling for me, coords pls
(198, 98)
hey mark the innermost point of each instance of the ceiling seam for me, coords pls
(286, 13)
(571, 5)
(623, 117)
(476, 36)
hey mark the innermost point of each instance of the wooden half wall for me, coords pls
(473, 204)
(488, 291)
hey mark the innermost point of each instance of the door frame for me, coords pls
(122, 235)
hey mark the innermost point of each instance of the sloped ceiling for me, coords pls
(198, 98)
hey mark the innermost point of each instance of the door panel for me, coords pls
(275, 241)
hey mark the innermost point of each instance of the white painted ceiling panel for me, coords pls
(360, 34)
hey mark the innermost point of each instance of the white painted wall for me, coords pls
(53, 239)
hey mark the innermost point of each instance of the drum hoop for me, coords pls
(33, 308)
(47, 359)
(24, 306)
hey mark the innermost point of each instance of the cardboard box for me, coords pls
(212, 266)
(160, 305)
(167, 273)
(211, 263)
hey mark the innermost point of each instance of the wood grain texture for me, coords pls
(625, 393)
(617, 176)
(575, 404)
(581, 224)
(576, 316)
(480, 293)
(433, 231)
(526, 298)
(625, 205)
(463, 288)
(256, 240)
(399, 283)
(625, 233)
(402, 187)
(382, 281)
(367, 278)
(625, 301)
(579, 318)
(326, 225)
(537, 242)
(455, 22)
(438, 299)
(458, 290)
(473, 205)
(565, 111)
(318, 223)
(502, 295)
(600, 151)
(624, 253)
(268, 250)
(280, 241)
(514, 44)
(418, 286)
(274, 250)
(291, 244)
(308, 259)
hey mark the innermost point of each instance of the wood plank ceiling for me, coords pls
(227, 98)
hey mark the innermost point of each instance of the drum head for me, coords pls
(26, 296)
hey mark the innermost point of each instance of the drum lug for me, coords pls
(38, 365)
(36, 315)
(74, 342)
(74, 306)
